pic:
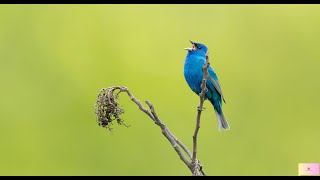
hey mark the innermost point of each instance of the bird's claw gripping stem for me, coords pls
(199, 109)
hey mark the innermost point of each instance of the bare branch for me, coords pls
(196, 165)
(107, 110)
(186, 150)
(169, 136)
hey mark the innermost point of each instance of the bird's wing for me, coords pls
(213, 78)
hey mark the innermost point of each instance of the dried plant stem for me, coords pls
(196, 130)
(108, 110)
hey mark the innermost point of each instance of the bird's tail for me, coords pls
(222, 121)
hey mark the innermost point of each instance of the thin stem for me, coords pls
(194, 161)
(193, 164)
(166, 132)
(176, 144)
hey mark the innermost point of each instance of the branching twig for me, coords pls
(194, 162)
(108, 110)
(107, 107)
(169, 136)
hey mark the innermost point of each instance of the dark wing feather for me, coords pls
(215, 83)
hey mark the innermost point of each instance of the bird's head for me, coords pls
(197, 47)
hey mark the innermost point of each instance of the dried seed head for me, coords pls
(107, 108)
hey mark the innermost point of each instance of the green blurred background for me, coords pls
(54, 59)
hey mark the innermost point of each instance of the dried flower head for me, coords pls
(107, 108)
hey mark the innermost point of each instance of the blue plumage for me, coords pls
(193, 73)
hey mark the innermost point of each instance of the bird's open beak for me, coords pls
(190, 49)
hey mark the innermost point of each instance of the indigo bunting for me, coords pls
(193, 73)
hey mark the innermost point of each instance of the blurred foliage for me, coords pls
(54, 59)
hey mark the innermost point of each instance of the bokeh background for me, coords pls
(54, 59)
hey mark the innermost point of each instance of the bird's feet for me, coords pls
(199, 109)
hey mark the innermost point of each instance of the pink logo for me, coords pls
(309, 169)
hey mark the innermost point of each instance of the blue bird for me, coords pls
(193, 73)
